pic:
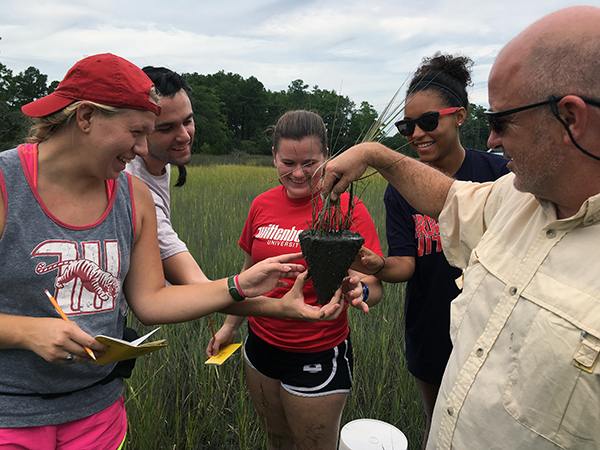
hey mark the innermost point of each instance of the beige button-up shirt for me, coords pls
(526, 328)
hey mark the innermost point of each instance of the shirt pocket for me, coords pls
(554, 386)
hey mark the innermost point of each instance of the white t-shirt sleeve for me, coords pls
(168, 240)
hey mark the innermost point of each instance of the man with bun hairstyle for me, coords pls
(170, 143)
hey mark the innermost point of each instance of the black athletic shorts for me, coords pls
(302, 374)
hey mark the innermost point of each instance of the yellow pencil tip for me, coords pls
(91, 353)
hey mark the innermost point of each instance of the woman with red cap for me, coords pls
(73, 222)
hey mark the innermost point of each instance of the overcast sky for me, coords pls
(364, 49)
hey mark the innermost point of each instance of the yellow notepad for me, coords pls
(224, 353)
(120, 350)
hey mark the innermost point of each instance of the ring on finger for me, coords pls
(69, 357)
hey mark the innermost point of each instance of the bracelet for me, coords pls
(233, 291)
(237, 285)
(381, 268)
(365, 292)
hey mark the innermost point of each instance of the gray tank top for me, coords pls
(83, 267)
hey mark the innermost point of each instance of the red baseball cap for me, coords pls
(106, 79)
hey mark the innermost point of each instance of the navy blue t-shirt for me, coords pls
(432, 286)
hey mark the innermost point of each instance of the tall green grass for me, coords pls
(174, 401)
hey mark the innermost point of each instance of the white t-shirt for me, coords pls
(168, 241)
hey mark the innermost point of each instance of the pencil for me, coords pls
(212, 328)
(64, 316)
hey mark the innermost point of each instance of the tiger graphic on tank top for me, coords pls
(93, 278)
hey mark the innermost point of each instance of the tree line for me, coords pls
(233, 113)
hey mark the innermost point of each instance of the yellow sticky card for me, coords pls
(224, 353)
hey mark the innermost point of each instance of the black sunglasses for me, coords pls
(498, 125)
(427, 122)
(495, 118)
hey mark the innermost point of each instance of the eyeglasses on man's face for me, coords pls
(427, 122)
(498, 122)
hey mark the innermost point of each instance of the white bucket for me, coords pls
(367, 434)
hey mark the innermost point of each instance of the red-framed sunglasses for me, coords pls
(427, 122)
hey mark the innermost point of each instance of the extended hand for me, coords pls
(353, 291)
(294, 306)
(367, 261)
(266, 275)
(343, 170)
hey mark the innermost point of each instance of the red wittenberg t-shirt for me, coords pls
(272, 229)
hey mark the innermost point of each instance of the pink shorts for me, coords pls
(103, 431)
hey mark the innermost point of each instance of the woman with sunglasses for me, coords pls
(436, 108)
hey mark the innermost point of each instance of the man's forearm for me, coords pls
(424, 187)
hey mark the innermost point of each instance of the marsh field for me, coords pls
(175, 402)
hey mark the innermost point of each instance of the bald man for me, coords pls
(526, 328)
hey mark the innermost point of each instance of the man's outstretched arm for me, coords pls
(422, 186)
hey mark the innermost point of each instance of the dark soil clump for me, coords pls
(329, 255)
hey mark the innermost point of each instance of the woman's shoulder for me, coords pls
(344, 197)
(9, 155)
(482, 166)
(140, 191)
(275, 194)
(488, 156)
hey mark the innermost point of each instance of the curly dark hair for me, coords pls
(167, 82)
(447, 75)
